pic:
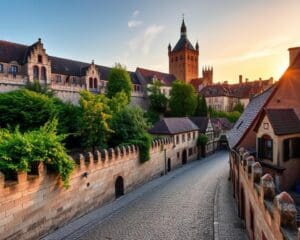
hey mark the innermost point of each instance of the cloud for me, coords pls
(135, 13)
(134, 23)
(144, 41)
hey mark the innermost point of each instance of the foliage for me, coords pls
(94, 124)
(231, 116)
(118, 102)
(119, 80)
(239, 107)
(201, 109)
(202, 140)
(130, 127)
(18, 152)
(144, 144)
(158, 101)
(25, 108)
(35, 86)
(152, 117)
(183, 99)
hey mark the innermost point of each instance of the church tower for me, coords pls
(183, 58)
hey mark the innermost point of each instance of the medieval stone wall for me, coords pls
(36, 204)
(266, 215)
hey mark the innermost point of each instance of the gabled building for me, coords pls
(184, 134)
(265, 158)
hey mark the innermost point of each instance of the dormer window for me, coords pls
(40, 59)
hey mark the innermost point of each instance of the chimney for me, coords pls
(293, 54)
(240, 78)
(247, 80)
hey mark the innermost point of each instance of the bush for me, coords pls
(29, 110)
(18, 151)
(144, 144)
(202, 140)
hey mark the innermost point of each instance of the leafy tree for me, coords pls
(119, 80)
(183, 100)
(201, 109)
(27, 109)
(152, 117)
(231, 116)
(130, 127)
(19, 151)
(118, 102)
(239, 107)
(94, 124)
(158, 101)
(201, 142)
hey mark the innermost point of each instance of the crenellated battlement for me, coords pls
(34, 203)
(275, 214)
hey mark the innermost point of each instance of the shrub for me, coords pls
(19, 151)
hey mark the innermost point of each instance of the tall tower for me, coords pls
(183, 58)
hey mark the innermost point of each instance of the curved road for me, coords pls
(177, 206)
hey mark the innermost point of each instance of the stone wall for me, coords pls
(267, 215)
(36, 204)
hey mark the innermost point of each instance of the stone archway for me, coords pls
(184, 157)
(119, 187)
(169, 164)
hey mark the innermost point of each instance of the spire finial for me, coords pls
(183, 27)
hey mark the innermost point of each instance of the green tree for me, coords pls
(130, 127)
(94, 124)
(201, 142)
(239, 107)
(118, 102)
(158, 101)
(20, 151)
(119, 80)
(183, 100)
(27, 109)
(201, 109)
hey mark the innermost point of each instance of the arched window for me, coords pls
(95, 83)
(90, 83)
(43, 73)
(265, 147)
(35, 73)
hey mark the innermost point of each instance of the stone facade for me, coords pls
(36, 204)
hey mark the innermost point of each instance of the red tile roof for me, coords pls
(166, 78)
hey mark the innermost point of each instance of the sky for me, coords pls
(235, 36)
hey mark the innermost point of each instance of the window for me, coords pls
(35, 72)
(189, 136)
(194, 135)
(1, 68)
(265, 147)
(183, 137)
(43, 73)
(14, 70)
(177, 139)
(190, 151)
(291, 148)
(178, 155)
(90, 83)
(58, 78)
(95, 83)
(40, 59)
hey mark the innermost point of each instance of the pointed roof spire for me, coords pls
(183, 27)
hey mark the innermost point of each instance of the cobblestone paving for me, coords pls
(177, 206)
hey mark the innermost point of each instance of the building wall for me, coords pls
(36, 204)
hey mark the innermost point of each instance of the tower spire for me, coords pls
(183, 27)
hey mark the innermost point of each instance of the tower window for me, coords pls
(176, 59)
(40, 59)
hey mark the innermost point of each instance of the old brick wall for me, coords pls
(36, 204)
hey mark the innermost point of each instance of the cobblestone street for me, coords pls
(179, 206)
